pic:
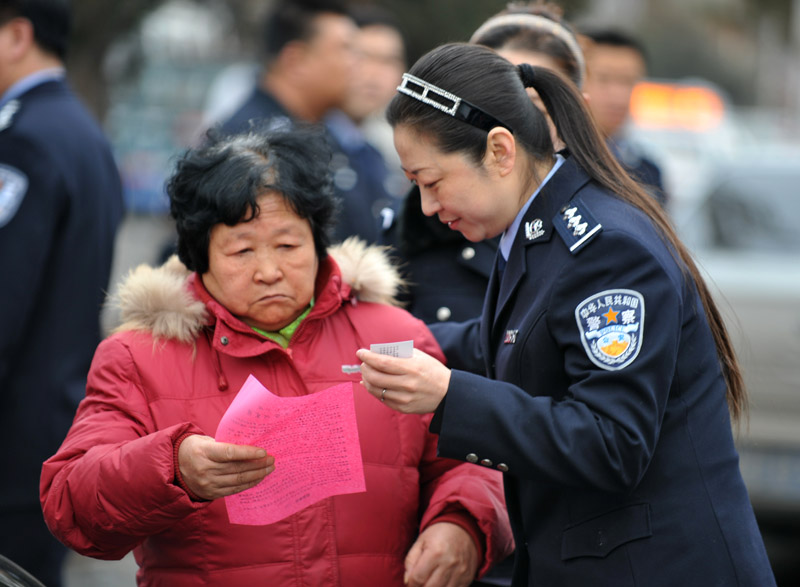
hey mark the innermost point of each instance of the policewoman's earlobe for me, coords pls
(501, 150)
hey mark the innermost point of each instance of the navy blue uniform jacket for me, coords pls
(56, 249)
(605, 404)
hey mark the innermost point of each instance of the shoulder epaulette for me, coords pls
(7, 113)
(576, 226)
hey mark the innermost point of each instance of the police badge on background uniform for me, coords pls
(611, 325)
(13, 185)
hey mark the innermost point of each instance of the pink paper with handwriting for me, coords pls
(314, 439)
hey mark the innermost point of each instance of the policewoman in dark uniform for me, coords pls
(610, 379)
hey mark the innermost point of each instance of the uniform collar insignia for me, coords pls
(533, 229)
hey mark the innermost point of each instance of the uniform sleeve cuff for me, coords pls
(435, 426)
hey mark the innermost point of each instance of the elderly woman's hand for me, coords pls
(444, 555)
(415, 385)
(214, 469)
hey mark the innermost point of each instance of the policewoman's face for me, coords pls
(263, 271)
(466, 197)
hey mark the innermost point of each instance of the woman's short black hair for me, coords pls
(220, 182)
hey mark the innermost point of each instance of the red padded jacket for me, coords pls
(175, 366)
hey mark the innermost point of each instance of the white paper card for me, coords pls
(401, 350)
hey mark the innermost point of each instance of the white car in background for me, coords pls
(733, 181)
(745, 234)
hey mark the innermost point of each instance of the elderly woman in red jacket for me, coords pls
(257, 293)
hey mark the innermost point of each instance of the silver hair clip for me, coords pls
(448, 103)
(406, 87)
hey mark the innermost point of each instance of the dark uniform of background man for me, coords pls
(60, 205)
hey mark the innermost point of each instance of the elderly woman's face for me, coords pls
(263, 271)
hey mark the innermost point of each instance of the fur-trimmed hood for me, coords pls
(157, 299)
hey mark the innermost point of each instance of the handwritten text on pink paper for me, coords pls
(314, 439)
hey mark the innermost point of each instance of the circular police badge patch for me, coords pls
(611, 325)
(13, 185)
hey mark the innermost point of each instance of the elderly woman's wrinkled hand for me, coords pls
(414, 385)
(212, 469)
(444, 555)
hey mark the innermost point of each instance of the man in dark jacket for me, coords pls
(60, 205)
(615, 63)
(308, 66)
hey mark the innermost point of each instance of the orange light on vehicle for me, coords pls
(659, 105)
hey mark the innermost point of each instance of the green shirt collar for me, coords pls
(284, 335)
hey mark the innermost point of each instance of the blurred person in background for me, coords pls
(309, 66)
(610, 379)
(360, 120)
(60, 206)
(381, 57)
(616, 62)
(308, 63)
(258, 291)
(535, 33)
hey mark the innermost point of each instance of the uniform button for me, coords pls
(502, 467)
(601, 538)
(224, 340)
(486, 463)
(468, 253)
(443, 314)
(472, 457)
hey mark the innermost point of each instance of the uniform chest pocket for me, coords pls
(600, 535)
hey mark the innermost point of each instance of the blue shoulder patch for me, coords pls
(576, 226)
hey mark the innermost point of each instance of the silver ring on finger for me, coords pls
(383, 393)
